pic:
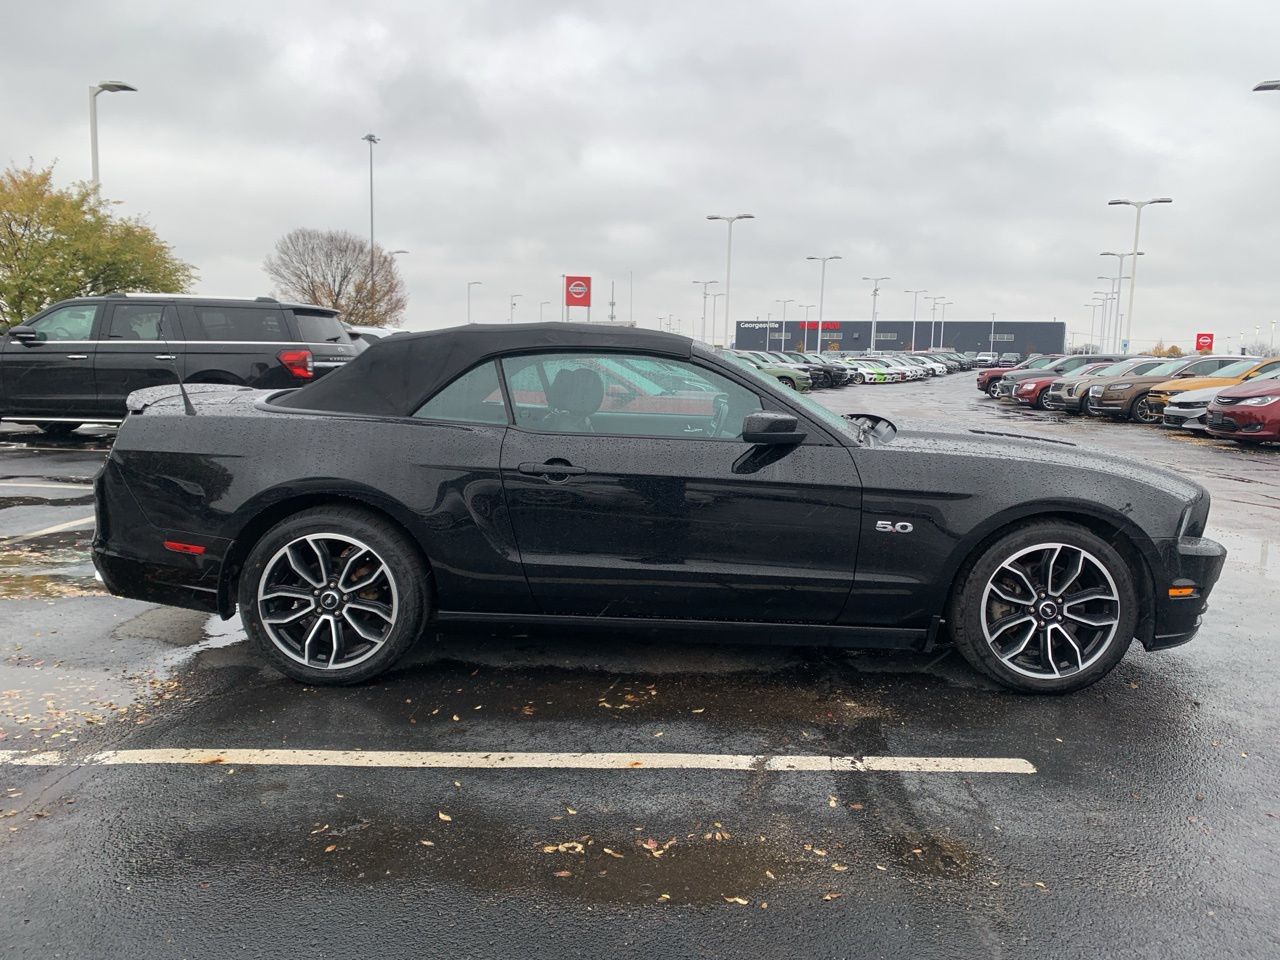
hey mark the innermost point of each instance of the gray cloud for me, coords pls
(966, 148)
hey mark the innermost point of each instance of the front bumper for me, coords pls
(1185, 418)
(1194, 562)
(1110, 404)
(1245, 423)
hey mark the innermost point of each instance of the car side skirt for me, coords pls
(712, 631)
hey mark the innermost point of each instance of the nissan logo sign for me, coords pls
(577, 289)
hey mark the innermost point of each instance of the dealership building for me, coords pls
(1009, 336)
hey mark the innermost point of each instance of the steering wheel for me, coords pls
(62, 333)
(719, 414)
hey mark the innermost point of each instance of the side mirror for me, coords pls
(24, 334)
(767, 427)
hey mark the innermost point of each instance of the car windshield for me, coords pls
(1039, 362)
(1116, 369)
(817, 411)
(1237, 369)
(1173, 366)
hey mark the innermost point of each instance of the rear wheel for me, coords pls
(334, 595)
(1048, 608)
(1142, 411)
(58, 430)
(787, 382)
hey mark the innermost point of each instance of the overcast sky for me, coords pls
(967, 148)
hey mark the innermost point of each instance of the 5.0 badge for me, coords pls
(886, 526)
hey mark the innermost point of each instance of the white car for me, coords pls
(1187, 410)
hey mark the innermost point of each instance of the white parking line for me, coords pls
(497, 760)
(56, 528)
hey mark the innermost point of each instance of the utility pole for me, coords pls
(371, 141)
(705, 284)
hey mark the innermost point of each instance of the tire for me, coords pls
(58, 430)
(1039, 403)
(993, 389)
(859, 377)
(325, 542)
(1140, 412)
(787, 382)
(1100, 628)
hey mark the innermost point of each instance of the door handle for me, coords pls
(77, 356)
(551, 469)
(165, 356)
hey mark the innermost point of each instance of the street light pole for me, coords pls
(728, 262)
(103, 86)
(822, 295)
(1106, 331)
(991, 345)
(371, 140)
(714, 298)
(1133, 267)
(942, 333)
(511, 310)
(541, 304)
(1093, 322)
(933, 318)
(875, 294)
(470, 284)
(705, 284)
(1117, 283)
(915, 299)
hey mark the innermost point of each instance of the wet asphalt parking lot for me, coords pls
(141, 816)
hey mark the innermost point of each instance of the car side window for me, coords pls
(141, 321)
(254, 324)
(625, 395)
(474, 397)
(1265, 369)
(67, 323)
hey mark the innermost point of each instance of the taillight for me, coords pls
(298, 363)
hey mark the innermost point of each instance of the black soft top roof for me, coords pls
(397, 374)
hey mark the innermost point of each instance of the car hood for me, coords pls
(1199, 396)
(1052, 454)
(1253, 388)
(1141, 380)
(1023, 373)
(1194, 383)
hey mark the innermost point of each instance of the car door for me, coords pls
(139, 346)
(649, 504)
(52, 375)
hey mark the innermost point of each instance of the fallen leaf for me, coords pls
(738, 900)
(832, 896)
(457, 784)
(427, 843)
(635, 763)
(612, 853)
(855, 806)
(456, 717)
(839, 867)
(570, 810)
(320, 829)
(443, 816)
(699, 710)
(878, 867)
(330, 848)
(664, 896)
(832, 801)
(563, 873)
(819, 853)
(769, 874)
(650, 844)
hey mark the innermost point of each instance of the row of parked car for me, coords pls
(1226, 396)
(804, 371)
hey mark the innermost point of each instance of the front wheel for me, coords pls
(787, 382)
(993, 389)
(1048, 608)
(1143, 412)
(334, 595)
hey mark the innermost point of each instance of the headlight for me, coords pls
(1119, 386)
(1095, 391)
(1027, 386)
(1171, 393)
(1258, 401)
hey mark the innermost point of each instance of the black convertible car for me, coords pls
(569, 473)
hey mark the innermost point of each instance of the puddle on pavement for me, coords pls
(53, 566)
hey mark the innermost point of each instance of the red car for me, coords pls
(1034, 391)
(992, 376)
(1248, 412)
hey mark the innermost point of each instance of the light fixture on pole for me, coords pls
(1133, 267)
(933, 318)
(1267, 85)
(875, 295)
(714, 298)
(371, 141)
(102, 86)
(470, 284)
(728, 261)
(942, 331)
(541, 304)
(511, 310)
(822, 294)
(915, 299)
(705, 284)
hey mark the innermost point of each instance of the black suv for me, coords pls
(76, 361)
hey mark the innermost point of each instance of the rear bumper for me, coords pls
(129, 552)
(1193, 562)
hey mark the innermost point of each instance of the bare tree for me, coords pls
(331, 268)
